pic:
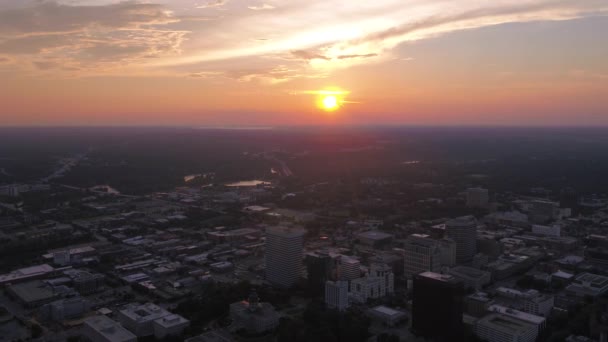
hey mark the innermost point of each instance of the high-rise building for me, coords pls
(463, 230)
(318, 270)
(477, 198)
(284, 247)
(437, 307)
(336, 295)
(421, 254)
(349, 268)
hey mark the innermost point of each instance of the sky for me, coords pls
(267, 62)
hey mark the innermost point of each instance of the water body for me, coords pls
(254, 182)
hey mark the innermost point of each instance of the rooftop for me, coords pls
(375, 235)
(509, 325)
(524, 316)
(110, 329)
(33, 291)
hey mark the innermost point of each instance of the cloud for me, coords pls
(87, 37)
(308, 55)
(52, 17)
(367, 55)
(212, 4)
(261, 7)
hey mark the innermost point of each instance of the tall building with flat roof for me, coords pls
(336, 295)
(437, 307)
(421, 254)
(284, 246)
(463, 230)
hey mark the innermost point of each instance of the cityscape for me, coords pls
(336, 238)
(303, 171)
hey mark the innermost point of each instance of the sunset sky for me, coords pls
(250, 62)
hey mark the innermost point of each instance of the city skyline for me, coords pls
(467, 62)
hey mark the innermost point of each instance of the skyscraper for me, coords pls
(319, 270)
(284, 247)
(463, 230)
(437, 307)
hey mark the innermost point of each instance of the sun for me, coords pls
(330, 99)
(330, 103)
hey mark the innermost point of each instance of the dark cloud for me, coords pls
(368, 55)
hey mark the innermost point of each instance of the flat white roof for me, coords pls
(387, 311)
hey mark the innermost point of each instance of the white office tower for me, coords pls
(284, 247)
(463, 230)
(477, 198)
(421, 254)
(349, 268)
(336, 295)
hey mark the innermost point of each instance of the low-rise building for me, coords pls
(588, 284)
(471, 277)
(141, 319)
(103, 329)
(253, 316)
(386, 315)
(496, 327)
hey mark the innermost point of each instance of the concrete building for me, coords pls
(86, 282)
(537, 321)
(365, 288)
(389, 317)
(543, 211)
(553, 230)
(141, 320)
(437, 307)
(104, 329)
(477, 198)
(33, 293)
(530, 301)
(500, 328)
(253, 316)
(348, 268)
(375, 239)
(27, 273)
(588, 284)
(477, 304)
(170, 325)
(447, 248)
(284, 255)
(421, 254)
(463, 231)
(336, 295)
(471, 277)
(63, 309)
